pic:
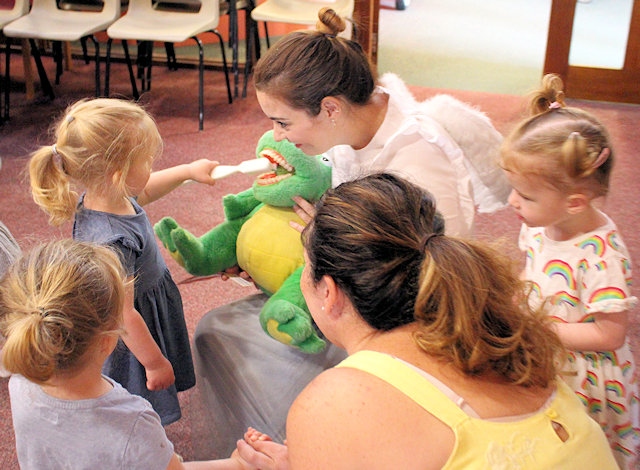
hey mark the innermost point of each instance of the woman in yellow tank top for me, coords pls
(447, 367)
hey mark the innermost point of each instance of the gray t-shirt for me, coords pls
(115, 431)
(9, 249)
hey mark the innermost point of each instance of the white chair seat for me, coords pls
(46, 21)
(166, 27)
(303, 12)
(20, 8)
(143, 22)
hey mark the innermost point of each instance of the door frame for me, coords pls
(592, 83)
(366, 16)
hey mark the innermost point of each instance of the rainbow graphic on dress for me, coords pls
(617, 447)
(538, 239)
(626, 271)
(607, 293)
(535, 289)
(626, 368)
(626, 266)
(617, 408)
(593, 405)
(558, 267)
(529, 255)
(597, 358)
(564, 297)
(616, 387)
(591, 378)
(588, 318)
(583, 266)
(624, 430)
(595, 242)
(612, 240)
(601, 266)
(610, 356)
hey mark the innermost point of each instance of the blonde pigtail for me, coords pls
(51, 186)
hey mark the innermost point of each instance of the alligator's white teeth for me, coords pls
(276, 158)
(265, 180)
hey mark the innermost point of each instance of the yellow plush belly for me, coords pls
(268, 248)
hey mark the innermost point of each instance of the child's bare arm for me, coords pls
(606, 333)
(138, 339)
(164, 181)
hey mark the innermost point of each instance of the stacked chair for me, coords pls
(145, 21)
(46, 21)
(20, 8)
(302, 12)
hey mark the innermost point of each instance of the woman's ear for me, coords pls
(334, 298)
(331, 106)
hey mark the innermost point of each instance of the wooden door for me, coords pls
(365, 15)
(593, 83)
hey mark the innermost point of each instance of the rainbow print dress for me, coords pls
(576, 278)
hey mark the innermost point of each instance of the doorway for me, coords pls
(605, 81)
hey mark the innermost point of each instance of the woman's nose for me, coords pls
(278, 133)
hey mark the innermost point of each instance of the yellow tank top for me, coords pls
(527, 444)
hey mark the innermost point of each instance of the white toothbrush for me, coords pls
(248, 167)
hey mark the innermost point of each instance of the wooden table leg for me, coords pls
(28, 70)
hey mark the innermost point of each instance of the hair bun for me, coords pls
(329, 22)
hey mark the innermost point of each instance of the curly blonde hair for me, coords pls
(55, 301)
(93, 140)
(566, 146)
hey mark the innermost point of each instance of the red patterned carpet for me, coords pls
(230, 134)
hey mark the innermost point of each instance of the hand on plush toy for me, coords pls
(305, 210)
(256, 236)
(236, 271)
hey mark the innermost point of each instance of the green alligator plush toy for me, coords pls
(256, 236)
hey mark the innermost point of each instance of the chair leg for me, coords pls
(252, 35)
(132, 77)
(233, 42)
(29, 87)
(107, 67)
(56, 50)
(96, 45)
(45, 84)
(172, 63)
(248, 57)
(7, 80)
(200, 83)
(145, 61)
(266, 35)
(224, 64)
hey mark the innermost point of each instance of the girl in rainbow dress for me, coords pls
(559, 162)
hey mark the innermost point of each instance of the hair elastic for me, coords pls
(555, 105)
(57, 158)
(56, 155)
(602, 157)
(427, 239)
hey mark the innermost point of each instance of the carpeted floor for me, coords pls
(230, 134)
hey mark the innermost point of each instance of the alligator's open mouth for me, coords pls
(283, 169)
